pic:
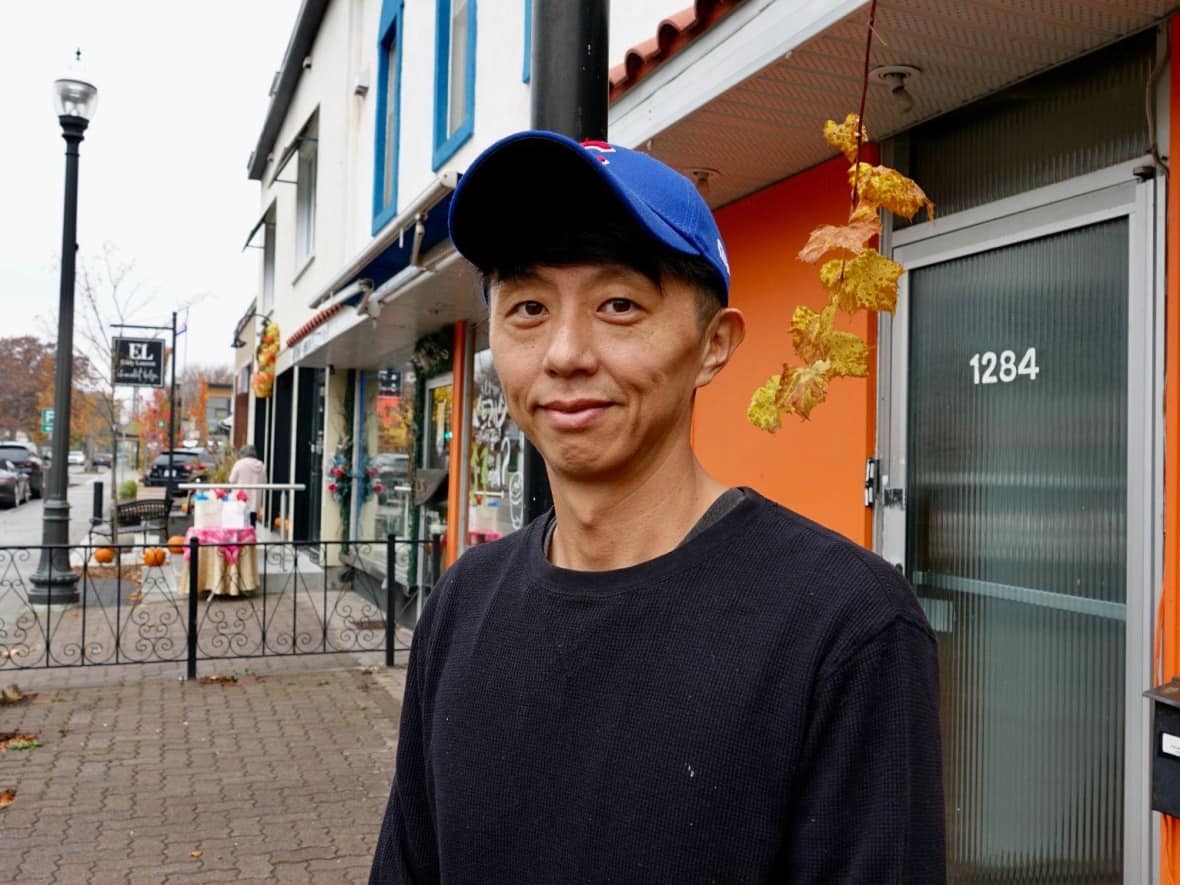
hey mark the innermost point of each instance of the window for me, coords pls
(388, 115)
(388, 397)
(305, 193)
(454, 84)
(495, 504)
(268, 261)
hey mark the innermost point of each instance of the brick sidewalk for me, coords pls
(274, 778)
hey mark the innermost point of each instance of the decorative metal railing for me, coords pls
(151, 603)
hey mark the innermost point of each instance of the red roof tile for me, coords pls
(672, 35)
(318, 320)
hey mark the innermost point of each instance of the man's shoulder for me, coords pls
(834, 578)
(481, 567)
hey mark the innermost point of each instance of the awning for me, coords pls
(392, 248)
(288, 152)
(258, 224)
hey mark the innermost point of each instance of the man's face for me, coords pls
(598, 366)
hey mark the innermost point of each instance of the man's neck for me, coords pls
(603, 526)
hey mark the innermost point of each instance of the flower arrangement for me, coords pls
(367, 482)
(339, 476)
(342, 481)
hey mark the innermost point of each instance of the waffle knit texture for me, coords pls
(758, 705)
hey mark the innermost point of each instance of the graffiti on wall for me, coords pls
(497, 488)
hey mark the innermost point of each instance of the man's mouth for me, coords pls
(574, 414)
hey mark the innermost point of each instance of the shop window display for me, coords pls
(389, 437)
(496, 498)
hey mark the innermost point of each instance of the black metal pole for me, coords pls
(54, 581)
(570, 88)
(390, 616)
(570, 77)
(172, 419)
(194, 567)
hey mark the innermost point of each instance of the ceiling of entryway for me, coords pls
(768, 126)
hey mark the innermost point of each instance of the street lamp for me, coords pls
(74, 100)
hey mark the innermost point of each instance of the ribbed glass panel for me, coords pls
(1038, 132)
(1016, 526)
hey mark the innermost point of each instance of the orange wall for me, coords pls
(815, 467)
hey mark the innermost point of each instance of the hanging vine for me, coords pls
(855, 276)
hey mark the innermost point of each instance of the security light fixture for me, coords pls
(703, 177)
(896, 77)
(238, 342)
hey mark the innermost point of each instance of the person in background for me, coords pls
(249, 470)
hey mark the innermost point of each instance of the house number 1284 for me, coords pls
(992, 368)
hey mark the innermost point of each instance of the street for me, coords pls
(21, 526)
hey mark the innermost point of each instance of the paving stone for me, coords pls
(276, 779)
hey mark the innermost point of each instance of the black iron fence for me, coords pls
(153, 603)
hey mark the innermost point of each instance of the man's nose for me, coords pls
(570, 348)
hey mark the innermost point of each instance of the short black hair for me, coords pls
(605, 240)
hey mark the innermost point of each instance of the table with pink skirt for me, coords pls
(227, 561)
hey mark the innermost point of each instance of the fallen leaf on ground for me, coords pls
(11, 695)
(137, 596)
(7, 797)
(214, 678)
(195, 853)
(13, 741)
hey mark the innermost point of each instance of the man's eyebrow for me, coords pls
(515, 280)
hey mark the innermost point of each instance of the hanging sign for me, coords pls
(139, 362)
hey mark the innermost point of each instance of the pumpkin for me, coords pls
(176, 543)
(154, 556)
(104, 555)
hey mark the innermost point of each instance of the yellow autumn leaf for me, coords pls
(817, 339)
(868, 282)
(889, 189)
(763, 410)
(842, 136)
(862, 226)
(805, 388)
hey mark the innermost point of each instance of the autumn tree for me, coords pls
(153, 419)
(26, 365)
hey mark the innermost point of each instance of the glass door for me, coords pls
(315, 481)
(1012, 506)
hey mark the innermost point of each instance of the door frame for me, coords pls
(1079, 202)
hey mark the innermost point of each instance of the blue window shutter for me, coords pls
(527, 74)
(390, 36)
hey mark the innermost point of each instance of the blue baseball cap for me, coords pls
(527, 172)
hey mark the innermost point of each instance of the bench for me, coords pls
(134, 517)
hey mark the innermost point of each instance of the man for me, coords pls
(662, 680)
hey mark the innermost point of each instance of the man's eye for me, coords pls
(619, 306)
(528, 308)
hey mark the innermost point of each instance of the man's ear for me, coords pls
(725, 332)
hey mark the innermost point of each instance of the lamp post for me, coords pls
(53, 581)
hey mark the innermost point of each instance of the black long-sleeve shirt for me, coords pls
(759, 704)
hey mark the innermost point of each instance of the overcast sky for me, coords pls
(182, 92)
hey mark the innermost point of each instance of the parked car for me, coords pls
(188, 465)
(14, 485)
(76, 458)
(25, 459)
(102, 459)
